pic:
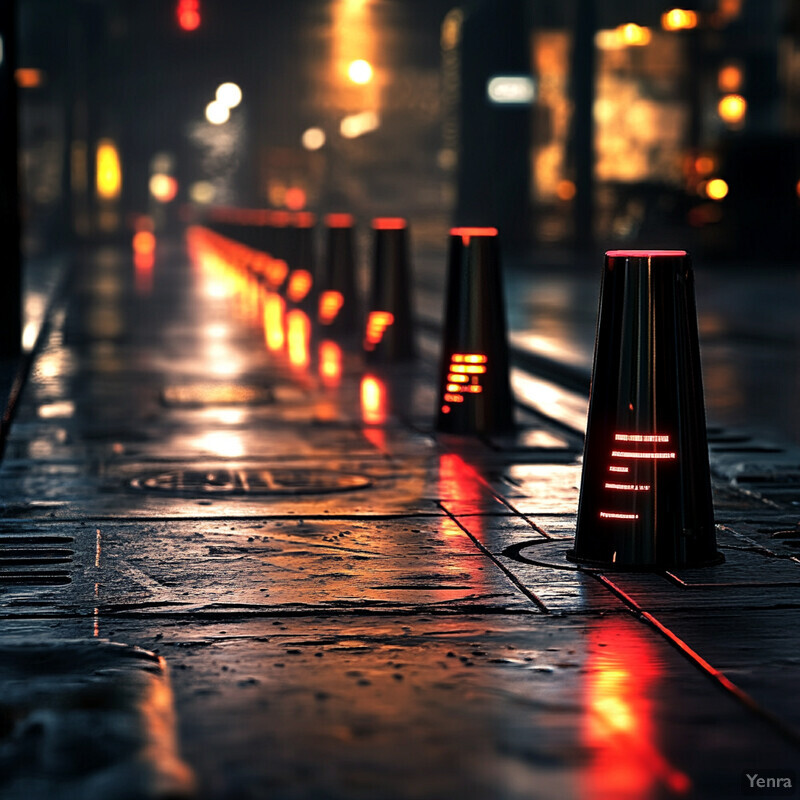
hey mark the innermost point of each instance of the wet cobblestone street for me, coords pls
(342, 603)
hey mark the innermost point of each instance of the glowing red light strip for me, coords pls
(304, 219)
(472, 369)
(629, 487)
(635, 454)
(300, 282)
(339, 220)
(644, 253)
(377, 323)
(463, 365)
(468, 232)
(639, 437)
(473, 388)
(615, 515)
(389, 223)
(329, 305)
(619, 469)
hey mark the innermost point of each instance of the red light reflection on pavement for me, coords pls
(462, 490)
(622, 679)
(274, 308)
(389, 223)
(330, 363)
(298, 335)
(373, 400)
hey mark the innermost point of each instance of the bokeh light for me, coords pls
(313, 138)
(229, 95)
(360, 71)
(217, 113)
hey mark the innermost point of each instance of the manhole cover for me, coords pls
(226, 481)
(198, 395)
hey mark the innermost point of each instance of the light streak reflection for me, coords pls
(622, 682)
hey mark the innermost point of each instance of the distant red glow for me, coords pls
(627, 487)
(389, 223)
(473, 231)
(189, 14)
(144, 242)
(377, 323)
(304, 219)
(467, 233)
(329, 305)
(295, 198)
(28, 78)
(330, 363)
(300, 283)
(280, 219)
(143, 276)
(640, 437)
(373, 400)
(276, 272)
(614, 468)
(339, 220)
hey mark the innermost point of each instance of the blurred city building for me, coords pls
(566, 123)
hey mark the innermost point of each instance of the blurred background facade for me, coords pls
(569, 124)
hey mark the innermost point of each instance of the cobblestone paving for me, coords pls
(349, 606)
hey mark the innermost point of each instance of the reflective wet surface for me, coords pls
(351, 605)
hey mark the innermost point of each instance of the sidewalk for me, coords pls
(344, 604)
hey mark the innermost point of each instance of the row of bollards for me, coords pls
(278, 249)
(645, 496)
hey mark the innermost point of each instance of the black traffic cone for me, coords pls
(338, 308)
(474, 384)
(645, 498)
(389, 332)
